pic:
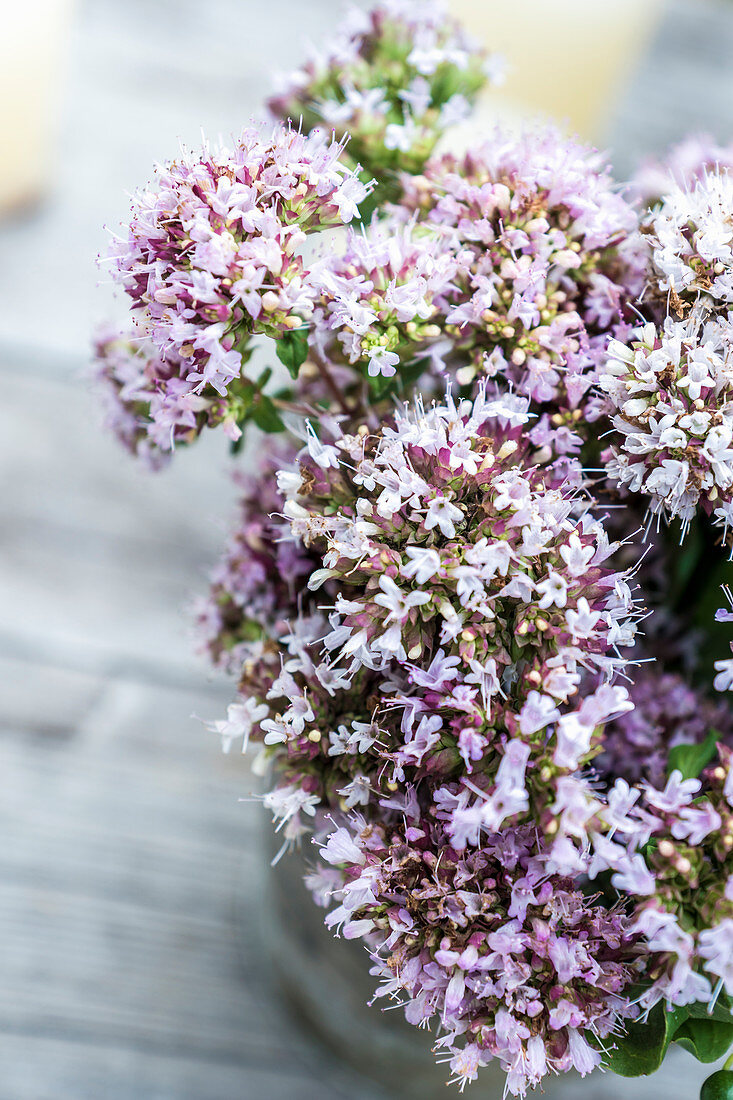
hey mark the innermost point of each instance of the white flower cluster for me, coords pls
(670, 390)
(691, 234)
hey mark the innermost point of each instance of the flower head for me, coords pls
(691, 239)
(213, 254)
(393, 79)
(513, 963)
(669, 391)
(459, 601)
(686, 915)
(383, 300)
(149, 406)
(546, 257)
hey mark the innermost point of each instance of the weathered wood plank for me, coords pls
(44, 1068)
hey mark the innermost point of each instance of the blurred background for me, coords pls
(131, 874)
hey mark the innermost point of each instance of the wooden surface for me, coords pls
(131, 965)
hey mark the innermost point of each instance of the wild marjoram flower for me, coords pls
(515, 962)
(684, 884)
(431, 626)
(394, 79)
(470, 583)
(213, 255)
(548, 259)
(512, 263)
(691, 237)
(670, 391)
(508, 958)
(668, 712)
(384, 298)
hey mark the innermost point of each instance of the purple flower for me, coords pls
(443, 941)
(546, 259)
(666, 712)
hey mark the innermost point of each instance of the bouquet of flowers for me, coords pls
(470, 599)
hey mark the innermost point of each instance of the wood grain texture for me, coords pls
(131, 959)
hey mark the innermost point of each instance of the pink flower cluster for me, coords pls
(383, 300)
(667, 712)
(547, 255)
(683, 883)
(670, 391)
(509, 958)
(511, 264)
(461, 572)
(443, 688)
(149, 406)
(214, 254)
(514, 961)
(466, 653)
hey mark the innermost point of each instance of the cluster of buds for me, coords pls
(669, 390)
(394, 79)
(213, 254)
(384, 299)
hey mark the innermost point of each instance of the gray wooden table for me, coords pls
(130, 961)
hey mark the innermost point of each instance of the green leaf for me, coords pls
(691, 759)
(707, 1036)
(707, 1039)
(266, 416)
(292, 350)
(640, 1051)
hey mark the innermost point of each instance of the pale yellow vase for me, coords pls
(32, 48)
(567, 60)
